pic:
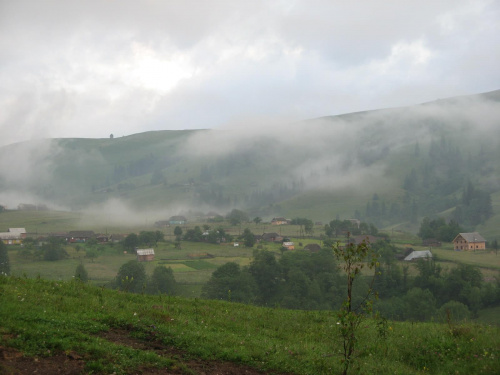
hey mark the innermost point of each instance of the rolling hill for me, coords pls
(389, 166)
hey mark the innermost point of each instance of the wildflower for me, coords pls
(135, 314)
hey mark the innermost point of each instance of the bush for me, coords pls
(453, 311)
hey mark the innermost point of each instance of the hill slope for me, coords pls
(386, 166)
(103, 331)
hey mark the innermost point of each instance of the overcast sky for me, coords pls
(95, 67)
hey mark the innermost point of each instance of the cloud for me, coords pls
(87, 69)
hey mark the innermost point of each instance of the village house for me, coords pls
(60, 235)
(145, 255)
(162, 223)
(13, 236)
(279, 221)
(102, 238)
(469, 241)
(177, 220)
(80, 236)
(272, 237)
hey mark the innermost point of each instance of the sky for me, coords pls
(99, 67)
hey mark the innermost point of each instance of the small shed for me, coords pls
(145, 255)
(419, 254)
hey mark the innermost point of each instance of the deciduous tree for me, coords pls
(237, 217)
(131, 277)
(353, 259)
(131, 242)
(162, 281)
(229, 282)
(248, 238)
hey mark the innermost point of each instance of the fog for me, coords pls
(353, 146)
(351, 152)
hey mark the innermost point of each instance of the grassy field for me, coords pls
(187, 263)
(482, 259)
(109, 332)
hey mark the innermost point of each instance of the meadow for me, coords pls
(110, 332)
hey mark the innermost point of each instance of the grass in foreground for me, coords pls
(45, 318)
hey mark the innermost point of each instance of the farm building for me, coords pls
(272, 237)
(419, 254)
(13, 236)
(145, 255)
(469, 241)
(431, 242)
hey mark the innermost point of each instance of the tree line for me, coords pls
(312, 281)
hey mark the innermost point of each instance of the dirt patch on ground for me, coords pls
(12, 362)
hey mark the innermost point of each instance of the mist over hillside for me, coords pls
(385, 166)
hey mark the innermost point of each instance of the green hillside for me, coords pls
(49, 324)
(389, 167)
